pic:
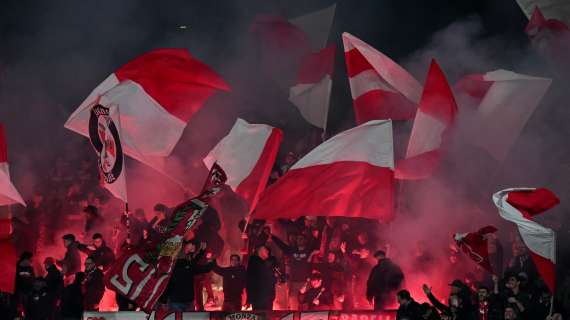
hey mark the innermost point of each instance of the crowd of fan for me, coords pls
(304, 264)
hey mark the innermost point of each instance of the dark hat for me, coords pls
(160, 208)
(49, 260)
(316, 276)
(69, 237)
(97, 236)
(457, 283)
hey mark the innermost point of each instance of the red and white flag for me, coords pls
(158, 93)
(435, 115)
(105, 135)
(311, 94)
(555, 9)
(475, 245)
(551, 37)
(381, 89)
(508, 101)
(520, 205)
(247, 155)
(8, 193)
(350, 175)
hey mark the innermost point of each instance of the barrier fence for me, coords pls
(244, 315)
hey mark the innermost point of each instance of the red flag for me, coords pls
(8, 259)
(474, 244)
(551, 37)
(142, 274)
(436, 114)
(381, 89)
(311, 93)
(248, 172)
(157, 94)
(520, 205)
(350, 175)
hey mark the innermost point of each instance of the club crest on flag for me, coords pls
(104, 137)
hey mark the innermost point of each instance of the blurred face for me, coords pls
(316, 283)
(234, 261)
(362, 238)
(189, 248)
(512, 283)
(331, 257)
(510, 313)
(89, 265)
(453, 259)
(292, 239)
(263, 253)
(26, 263)
(482, 294)
(66, 243)
(98, 242)
(401, 301)
(145, 234)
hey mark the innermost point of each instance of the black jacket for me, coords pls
(465, 312)
(234, 281)
(385, 278)
(39, 305)
(180, 287)
(24, 282)
(94, 288)
(409, 312)
(72, 301)
(298, 260)
(54, 281)
(324, 295)
(102, 256)
(260, 279)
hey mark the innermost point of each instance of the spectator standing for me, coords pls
(234, 280)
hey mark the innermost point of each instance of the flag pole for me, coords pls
(128, 223)
(554, 289)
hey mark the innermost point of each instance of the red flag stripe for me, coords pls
(177, 81)
(347, 188)
(437, 98)
(254, 184)
(356, 63)
(315, 66)
(382, 104)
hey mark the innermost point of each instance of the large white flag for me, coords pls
(8, 193)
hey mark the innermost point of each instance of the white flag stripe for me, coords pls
(238, 152)
(313, 100)
(426, 134)
(79, 119)
(355, 145)
(367, 81)
(537, 238)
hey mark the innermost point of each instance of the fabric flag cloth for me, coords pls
(141, 274)
(105, 133)
(158, 93)
(551, 37)
(470, 90)
(311, 94)
(381, 89)
(520, 206)
(436, 114)
(317, 26)
(556, 9)
(247, 155)
(504, 110)
(8, 193)
(474, 244)
(349, 175)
